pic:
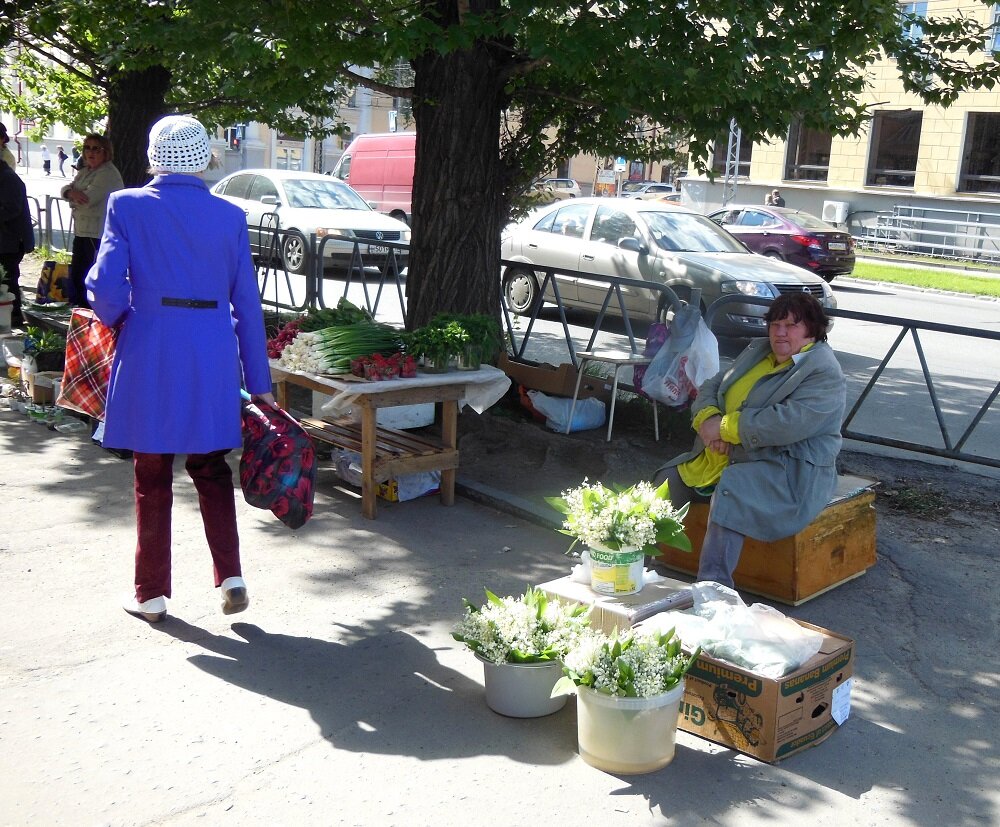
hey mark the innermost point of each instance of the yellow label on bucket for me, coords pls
(611, 579)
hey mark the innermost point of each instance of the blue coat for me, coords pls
(175, 381)
(783, 472)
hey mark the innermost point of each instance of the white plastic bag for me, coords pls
(689, 357)
(757, 637)
(589, 412)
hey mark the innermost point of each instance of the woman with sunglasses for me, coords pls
(88, 198)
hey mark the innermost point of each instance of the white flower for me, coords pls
(525, 629)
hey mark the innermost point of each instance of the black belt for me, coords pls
(199, 304)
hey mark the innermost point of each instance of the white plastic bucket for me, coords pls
(522, 690)
(6, 310)
(616, 572)
(628, 735)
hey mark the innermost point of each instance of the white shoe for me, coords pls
(153, 610)
(234, 595)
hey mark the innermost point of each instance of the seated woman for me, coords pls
(768, 437)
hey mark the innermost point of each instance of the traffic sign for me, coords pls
(620, 164)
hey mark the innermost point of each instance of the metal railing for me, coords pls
(666, 299)
(932, 231)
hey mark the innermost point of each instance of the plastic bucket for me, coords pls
(627, 735)
(6, 310)
(13, 350)
(522, 690)
(616, 572)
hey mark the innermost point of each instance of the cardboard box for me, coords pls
(622, 611)
(40, 386)
(555, 381)
(837, 546)
(768, 718)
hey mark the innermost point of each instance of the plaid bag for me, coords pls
(278, 466)
(90, 349)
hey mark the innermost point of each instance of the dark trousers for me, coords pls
(11, 263)
(84, 253)
(213, 480)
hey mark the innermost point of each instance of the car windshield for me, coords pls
(321, 195)
(681, 232)
(633, 186)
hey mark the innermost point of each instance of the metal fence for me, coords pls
(929, 231)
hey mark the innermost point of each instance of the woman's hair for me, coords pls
(109, 153)
(802, 307)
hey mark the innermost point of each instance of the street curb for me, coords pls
(507, 503)
(914, 289)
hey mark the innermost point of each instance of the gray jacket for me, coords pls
(98, 184)
(783, 472)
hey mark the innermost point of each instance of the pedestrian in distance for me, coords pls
(88, 199)
(16, 234)
(77, 157)
(774, 199)
(768, 435)
(46, 160)
(191, 331)
(62, 156)
(5, 154)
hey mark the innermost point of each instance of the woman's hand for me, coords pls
(265, 397)
(75, 196)
(710, 432)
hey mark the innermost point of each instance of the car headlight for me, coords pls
(323, 232)
(748, 288)
(404, 236)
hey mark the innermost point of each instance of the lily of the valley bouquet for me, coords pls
(526, 629)
(634, 665)
(638, 517)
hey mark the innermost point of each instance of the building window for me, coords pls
(722, 149)
(895, 142)
(807, 154)
(995, 36)
(981, 154)
(912, 28)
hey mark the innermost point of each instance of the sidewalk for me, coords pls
(340, 698)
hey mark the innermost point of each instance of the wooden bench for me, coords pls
(837, 546)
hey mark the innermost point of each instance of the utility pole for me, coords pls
(732, 163)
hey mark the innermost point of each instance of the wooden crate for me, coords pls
(837, 546)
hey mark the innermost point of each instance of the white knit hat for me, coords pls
(178, 143)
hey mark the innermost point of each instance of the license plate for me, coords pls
(837, 246)
(378, 250)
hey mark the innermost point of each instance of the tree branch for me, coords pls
(378, 86)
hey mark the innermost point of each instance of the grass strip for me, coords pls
(924, 277)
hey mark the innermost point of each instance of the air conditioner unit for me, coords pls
(835, 212)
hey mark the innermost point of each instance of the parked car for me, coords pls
(648, 240)
(668, 197)
(379, 167)
(645, 190)
(790, 235)
(304, 203)
(560, 187)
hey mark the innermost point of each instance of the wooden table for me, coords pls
(387, 452)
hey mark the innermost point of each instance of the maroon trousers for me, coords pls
(213, 479)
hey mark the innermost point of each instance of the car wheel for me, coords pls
(294, 253)
(774, 254)
(828, 277)
(520, 287)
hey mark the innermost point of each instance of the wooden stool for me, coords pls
(837, 546)
(619, 359)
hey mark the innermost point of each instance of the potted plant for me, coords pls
(629, 689)
(482, 341)
(521, 641)
(46, 347)
(438, 344)
(620, 526)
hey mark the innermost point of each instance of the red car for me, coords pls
(790, 235)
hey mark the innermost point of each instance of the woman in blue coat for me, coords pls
(768, 437)
(174, 274)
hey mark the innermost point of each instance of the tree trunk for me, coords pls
(135, 101)
(459, 201)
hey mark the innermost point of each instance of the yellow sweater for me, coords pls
(705, 469)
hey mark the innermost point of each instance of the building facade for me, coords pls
(919, 177)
